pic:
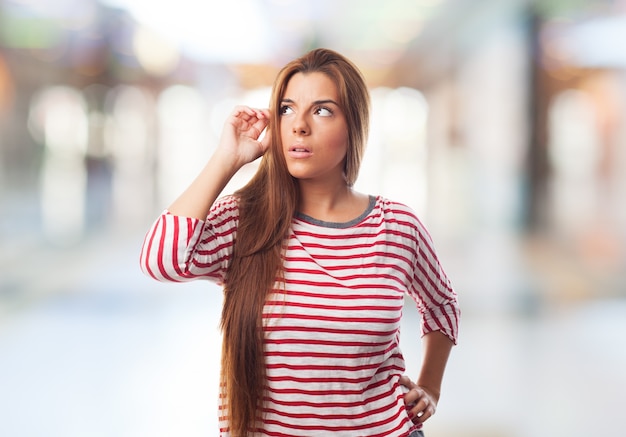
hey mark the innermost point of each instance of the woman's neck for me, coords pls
(338, 203)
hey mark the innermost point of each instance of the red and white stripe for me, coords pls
(332, 329)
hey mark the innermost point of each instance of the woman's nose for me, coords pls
(300, 126)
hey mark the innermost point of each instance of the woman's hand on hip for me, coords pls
(421, 402)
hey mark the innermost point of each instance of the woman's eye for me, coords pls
(324, 112)
(284, 110)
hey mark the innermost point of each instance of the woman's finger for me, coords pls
(422, 406)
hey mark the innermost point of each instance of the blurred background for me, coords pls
(502, 123)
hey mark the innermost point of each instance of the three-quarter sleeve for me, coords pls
(432, 290)
(178, 249)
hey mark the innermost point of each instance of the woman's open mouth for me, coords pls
(299, 152)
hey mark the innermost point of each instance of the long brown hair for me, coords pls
(267, 205)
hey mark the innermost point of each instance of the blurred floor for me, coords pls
(100, 350)
(94, 348)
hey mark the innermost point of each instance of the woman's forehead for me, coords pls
(311, 86)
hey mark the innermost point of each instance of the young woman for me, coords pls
(314, 273)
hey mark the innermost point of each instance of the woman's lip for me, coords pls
(299, 149)
(299, 152)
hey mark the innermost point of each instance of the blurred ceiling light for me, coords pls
(156, 54)
(374, 33)
(555, 56)
(595, 43)
(58, 119)
(210, 31)
(282, 2)
(268, 31)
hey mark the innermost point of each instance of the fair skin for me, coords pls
(314, 135)
(426, 391)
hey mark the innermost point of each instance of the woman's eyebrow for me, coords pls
(325, 102)
(316, 102)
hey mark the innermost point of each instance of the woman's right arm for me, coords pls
(183, 243)
(178, 249)
(239, 145)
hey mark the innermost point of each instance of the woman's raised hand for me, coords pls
(241, 133)
(239, 145)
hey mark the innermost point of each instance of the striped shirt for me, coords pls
(332, 329)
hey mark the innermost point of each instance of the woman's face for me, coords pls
(313, 129)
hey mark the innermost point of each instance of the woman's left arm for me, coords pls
(423, 396)
(440, 313)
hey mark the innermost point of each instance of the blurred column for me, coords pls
(130, 137)
(537, 168)
(450, 196)
(183, 140)
(574, 156)
(394, 164)
(58, 118)
(493, 123)
(98, 159)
